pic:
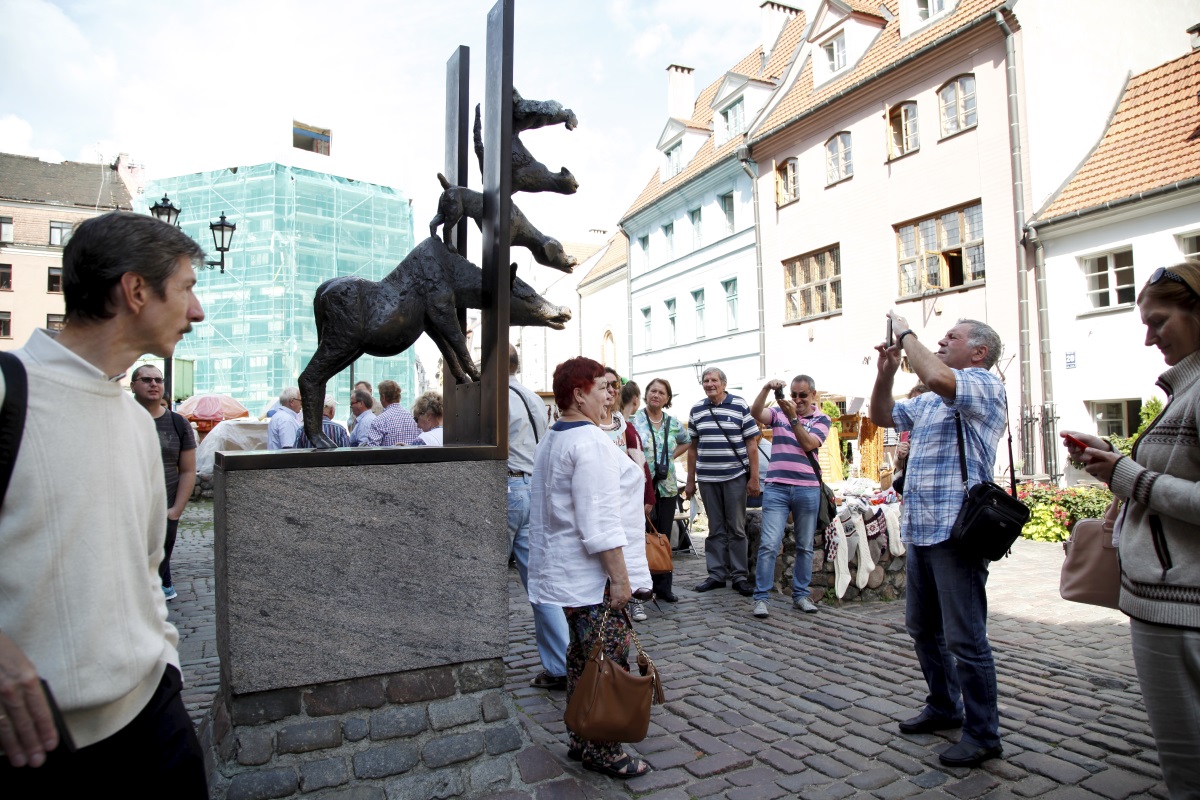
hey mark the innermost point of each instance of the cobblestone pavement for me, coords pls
(800, 705)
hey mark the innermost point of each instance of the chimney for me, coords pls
(774, 17)
(1195, 32)
(681, 92)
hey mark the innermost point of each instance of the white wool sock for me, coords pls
(841, 566)
(865, 564)
(891, 513)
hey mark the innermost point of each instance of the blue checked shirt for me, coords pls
(395, 426)
(933, 489)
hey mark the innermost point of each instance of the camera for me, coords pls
(778, 393)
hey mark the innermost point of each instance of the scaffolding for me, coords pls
(296, 228)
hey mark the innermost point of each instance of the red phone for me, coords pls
(1072, 440)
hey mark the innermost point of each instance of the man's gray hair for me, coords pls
(362, 397)
(288, 395)
(329, 402)
(984, 335)
(812, 385)
(720, 374)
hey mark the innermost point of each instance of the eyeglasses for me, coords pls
(151, 380)
(799, 395)
(1163, 272)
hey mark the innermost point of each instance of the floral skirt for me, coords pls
(584, 623)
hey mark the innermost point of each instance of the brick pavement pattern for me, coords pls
(806, 706)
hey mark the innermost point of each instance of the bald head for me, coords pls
(514, 361)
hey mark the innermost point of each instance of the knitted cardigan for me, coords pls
(1159, 535)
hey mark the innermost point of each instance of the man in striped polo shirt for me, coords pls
(723, 433)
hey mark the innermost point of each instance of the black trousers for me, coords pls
(157, 754)
(164, 569)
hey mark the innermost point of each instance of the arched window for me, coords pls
(839, 163)
(957, 103)
(608, 350)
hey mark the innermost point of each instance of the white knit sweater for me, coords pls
(81, 537)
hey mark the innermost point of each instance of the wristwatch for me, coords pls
(794, 421)
(903, 333)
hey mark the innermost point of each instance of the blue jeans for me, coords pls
(778, 500)
(946, 616)
(549, 622)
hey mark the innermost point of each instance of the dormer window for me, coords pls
(957, 102)
(674, 160)
(733, 122)
(835, 53)
(929, 8)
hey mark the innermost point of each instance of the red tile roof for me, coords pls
(613, 259)
(702, 113)
(887, 50)
(1152, 141)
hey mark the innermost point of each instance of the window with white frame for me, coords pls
(839, 162)
(1109, 279)
(733, 121)
(54, 280)
(929, 8)
(668, 241)
(55, 322)
(5, 324)
(835, 52)
(694, 220)
(941, 252)
(812, 284)
(644, 250)
(1116, 417)
(957, 102)
(904, 136)
(1189, 245)
(698, 304)
(787, 182)
(726, 201)
(60, 232)
(731, 309)
(671, 330)
(648, 341)
(5, 277)
(674, 158)
(6, 230)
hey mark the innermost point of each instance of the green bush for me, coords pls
(1054, 511)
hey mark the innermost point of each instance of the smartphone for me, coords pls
(890, 343)
(60, 724)
(1069, 439)
(778, 393)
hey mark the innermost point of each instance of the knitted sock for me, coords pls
(841, 567)
(865, 564)
(891, 513)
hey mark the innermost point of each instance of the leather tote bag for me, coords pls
(1091, 572)
(658, 552)
(610, 704)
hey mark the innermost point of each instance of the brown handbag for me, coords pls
(609, 703)
(658, 552)
(1091, 572)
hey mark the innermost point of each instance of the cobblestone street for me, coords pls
(806, 706)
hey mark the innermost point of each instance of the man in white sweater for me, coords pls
(81, 532)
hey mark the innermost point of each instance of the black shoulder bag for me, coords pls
(12, 416)
(827, 509)
(661, 469)
(990, 519)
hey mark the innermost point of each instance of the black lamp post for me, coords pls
(699, 367)
(222, 230)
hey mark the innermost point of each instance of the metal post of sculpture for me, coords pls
(434, 282)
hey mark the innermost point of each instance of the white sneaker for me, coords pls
(639, 612)
(760, 608)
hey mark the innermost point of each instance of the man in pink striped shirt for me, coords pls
(792, 485)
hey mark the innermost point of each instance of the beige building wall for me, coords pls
(30, 256)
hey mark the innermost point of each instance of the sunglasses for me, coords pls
(799, 395)
(151, 380)
(1163, 272)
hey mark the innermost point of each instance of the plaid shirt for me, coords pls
(395, 426)
(933, 490)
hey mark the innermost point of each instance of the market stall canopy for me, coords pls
(206, 410)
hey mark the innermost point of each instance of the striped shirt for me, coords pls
(721, 432)
(933, 488)
(789, 464)
(333, 430)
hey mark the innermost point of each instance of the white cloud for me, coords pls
(16, 136)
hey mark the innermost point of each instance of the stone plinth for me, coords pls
(333, 573)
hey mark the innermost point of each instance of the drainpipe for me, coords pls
(751, 169)
(1049, 416)
(628, 297)
(1028, 453)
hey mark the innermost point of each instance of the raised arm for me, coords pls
(758, 409)
(929, 368)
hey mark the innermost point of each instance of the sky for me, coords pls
(184, 85)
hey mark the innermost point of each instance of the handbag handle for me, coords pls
(645, 664)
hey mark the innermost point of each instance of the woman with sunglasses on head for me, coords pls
(587, 549)
(1159, 539)
(791, 486)
(611, 421)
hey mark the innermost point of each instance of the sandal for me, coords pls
(575, 753)
(623, 768)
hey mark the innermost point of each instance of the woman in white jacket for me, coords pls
(583, 556)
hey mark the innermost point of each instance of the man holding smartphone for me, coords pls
(946, 595)
(81, 532)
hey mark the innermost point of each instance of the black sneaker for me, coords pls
(545, 680)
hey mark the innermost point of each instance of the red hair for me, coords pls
(574, 373)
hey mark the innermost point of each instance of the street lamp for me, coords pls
(165, 211)
(222, 232)
(699, 367)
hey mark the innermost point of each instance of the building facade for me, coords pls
(40, 204)
(296, 228)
